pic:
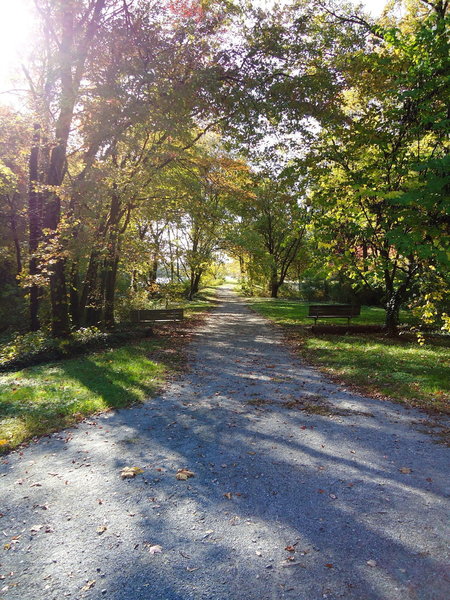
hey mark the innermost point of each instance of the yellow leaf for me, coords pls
(184, 474)
(3, 442)
(129, 472)
(88, 586)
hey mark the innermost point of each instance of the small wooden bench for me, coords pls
(333, 311)
(151, 316)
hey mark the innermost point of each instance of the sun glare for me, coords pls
(16, 36)
(15, 40)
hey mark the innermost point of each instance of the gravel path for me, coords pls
(285, 503)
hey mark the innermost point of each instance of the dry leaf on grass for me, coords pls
(405, 470)
(228, 495)
(183, 474)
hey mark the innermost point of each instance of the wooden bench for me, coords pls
(151, 316)
(333, 311)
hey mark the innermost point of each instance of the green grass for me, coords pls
(45, 398)
(399, 369)
(48, 397)
(205, 300)
(293, 312)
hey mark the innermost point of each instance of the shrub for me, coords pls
(37, 346)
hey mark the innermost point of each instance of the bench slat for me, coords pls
(168, 314)
(333, 311)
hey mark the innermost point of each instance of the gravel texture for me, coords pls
(347, 499)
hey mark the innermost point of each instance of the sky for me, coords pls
(15, 36)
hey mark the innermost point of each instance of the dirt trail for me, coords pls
(344, 500)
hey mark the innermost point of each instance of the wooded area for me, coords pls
(156, 137)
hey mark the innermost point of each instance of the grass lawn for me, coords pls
(204, 300)
(294, 312)
(48, 397)
(394, 368)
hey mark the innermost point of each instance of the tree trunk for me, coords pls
(274, 284)
(89, 285)
(112, 260)
(110, 290)
(153, 271)
(52, 217)
(15, 236)
(34, 226)
(242, 266)
(274, 287)
(392, 316)
(195, 283)
(74, 296)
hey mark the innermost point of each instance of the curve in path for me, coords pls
(285, 503)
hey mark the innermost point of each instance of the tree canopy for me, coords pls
(156, 137)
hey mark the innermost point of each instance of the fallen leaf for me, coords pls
(184, 474)
(101, 529)
(329, 565)
(3, 442)
(372, 563)
(88, 586)
(290, 548)
(228, 495)
(130, 472)
(155, 549)
(405, 470)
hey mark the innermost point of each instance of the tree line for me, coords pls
(155, 135)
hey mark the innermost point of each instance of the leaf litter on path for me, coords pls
(130, 472)
(184, 474)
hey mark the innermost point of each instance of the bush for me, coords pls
(38, 346)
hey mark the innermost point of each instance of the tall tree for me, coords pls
(379, 178)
